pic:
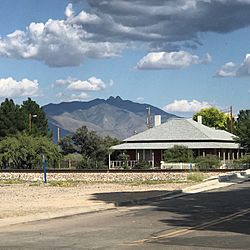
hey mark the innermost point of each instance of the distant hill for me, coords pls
(115, 117)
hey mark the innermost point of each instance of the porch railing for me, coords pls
(126, 164)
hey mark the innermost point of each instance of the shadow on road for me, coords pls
(195, 209)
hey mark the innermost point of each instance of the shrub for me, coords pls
(207, 162)
(178, 154)
(142, 164)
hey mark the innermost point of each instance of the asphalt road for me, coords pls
(218, 219)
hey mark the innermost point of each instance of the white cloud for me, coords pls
(58, 43)
(73, 97)
(228, 69)
(170, 60)
(231, 69)
(186, 106)
(69, 10)
(140, 99)
(92, 84)
(10, 88)
(109, 27)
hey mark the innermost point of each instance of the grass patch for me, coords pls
(10, 182)
(195, 177)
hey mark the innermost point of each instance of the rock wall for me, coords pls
(102, 177)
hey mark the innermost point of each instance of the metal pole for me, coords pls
(231, 119)
(30, 118)
(58, 136)
(148, 117)
(44, 169)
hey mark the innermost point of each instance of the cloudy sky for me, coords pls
(179, 55)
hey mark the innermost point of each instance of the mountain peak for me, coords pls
(112, 98)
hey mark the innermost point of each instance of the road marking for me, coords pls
(187, 230)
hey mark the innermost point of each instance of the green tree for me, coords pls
(11, 118)
(243, 129)
(212, 117)
(93, 148)
(67, 145)
(178, 154)
(24, 151)
(34, 115)
(207, 162)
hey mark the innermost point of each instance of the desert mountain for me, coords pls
(115, 117)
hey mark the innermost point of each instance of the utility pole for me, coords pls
(30, 121)
(148, 119)
(231, 119)
(58, 136)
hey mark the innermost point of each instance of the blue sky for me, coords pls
(179, 55)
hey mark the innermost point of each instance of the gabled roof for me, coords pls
(179, 129)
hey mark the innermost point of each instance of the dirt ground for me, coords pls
(24, 199)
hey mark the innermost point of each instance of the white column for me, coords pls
(109, 160)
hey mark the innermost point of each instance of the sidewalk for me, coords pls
(98, 201)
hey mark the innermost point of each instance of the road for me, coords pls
(210, 220)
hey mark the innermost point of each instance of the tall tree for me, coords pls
(11, 118)
(35, 118)
(213, 117)
(243, 129)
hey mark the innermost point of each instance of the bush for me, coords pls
(142, 164)
(244, 159)
(207, 162)
(178, 154)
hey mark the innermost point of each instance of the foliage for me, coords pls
(243, 129)
(178, 154)
(11, 118)
(93, 148)
(207, 162)
(142, 164)
(15, 118)
(73, 157)
(24, 151)
(67, 145)
(213, 117)
(31, 110)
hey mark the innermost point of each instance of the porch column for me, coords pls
(203, 153)
(219, 154)
(238, 154)
(153, 159)
(228, 156)
(109, 161)
(224, 156)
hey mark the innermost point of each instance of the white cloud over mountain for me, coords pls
(11, 88)
(105, 28)
(186, 106)
(92, 84)
(231, 69)
(170, 60)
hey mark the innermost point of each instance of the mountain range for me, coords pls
(115, 117)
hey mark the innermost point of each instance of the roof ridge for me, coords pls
(194, 123)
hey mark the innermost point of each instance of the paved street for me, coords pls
(209, 220)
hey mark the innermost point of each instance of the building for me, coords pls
(150, 144)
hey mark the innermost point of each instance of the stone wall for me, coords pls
(102, 177)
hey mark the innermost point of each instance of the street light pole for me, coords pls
(30, 121)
